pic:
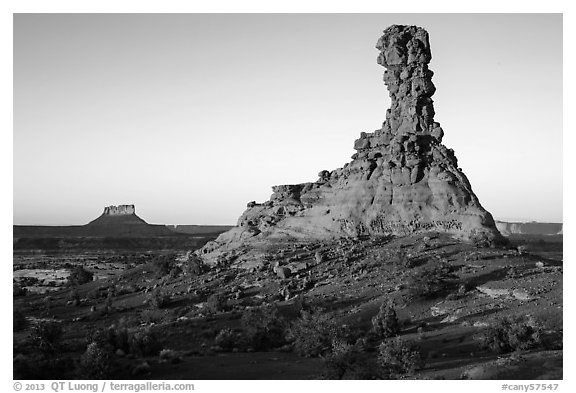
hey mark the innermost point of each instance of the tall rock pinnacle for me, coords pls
(401, 180)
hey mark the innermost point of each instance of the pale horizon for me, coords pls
(191, 116)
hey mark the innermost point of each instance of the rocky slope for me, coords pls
(401, 180)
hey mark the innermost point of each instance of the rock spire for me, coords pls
(401, 180)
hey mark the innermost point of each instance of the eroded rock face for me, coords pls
(119, 210)
(401, 180)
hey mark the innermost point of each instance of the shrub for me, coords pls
(385, 324)
(111, 338)
(263, 328)
(96, 362)
(95, 294)
(397, 358)
(141, 342)
(348, 361)
(175, 272)
(312, 333)
(74, 297)
(151, 316)
(216, 302)
(41, 366)
(169, 356)
(194, 267)
(144, 342)
(79, 276)
(164, 264)
(510, 334)
(431, 282)
(47, 335)
(18, 290)
(401, 260)
(226, 339)
(160, 299)
(19, 321)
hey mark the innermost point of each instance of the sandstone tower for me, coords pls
(401, 180)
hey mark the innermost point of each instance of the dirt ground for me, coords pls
(347, 279)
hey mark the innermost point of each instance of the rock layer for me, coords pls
(401, 180)
(119, 210)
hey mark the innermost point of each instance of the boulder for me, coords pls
(283, 272)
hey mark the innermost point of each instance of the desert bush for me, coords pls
(163, 264)
(385, 324)
(397, 358)
(194, 267)
(74, 297)
(175, 272)
(125, 289)
(111, 338)
(431, 282)
(96, 362)
(312, 333)
(42, 365)
(79, 276)
(169, 356)
(216, 302)
(47, 335)
(401, 260)
(151, 316)
(511, 333)
(19, 321)
(227, 339)
(159, 299)
(144, 342)
(347, 361)
(18, 290)
(263, 328)
(95, 294)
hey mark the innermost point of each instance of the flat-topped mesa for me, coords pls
(119, 210)
(402, 179)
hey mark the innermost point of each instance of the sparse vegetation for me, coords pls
(358, 335)
(194, 267)
(431, 282)
(111, 339)
(402, 261)
(227, 339)
(263, 328)
(385, 324)
(18, 290)
(164, 264)
(96, 362)
(312, 333)
(19, 321)
(510, 334)
(151, 316)
(398, 358)
(74, 297)
(46, 334)
(216, 302)
(348, 361)
(160, 299)
(144, 342)
(79, 276)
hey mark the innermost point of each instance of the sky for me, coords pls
(191, 116)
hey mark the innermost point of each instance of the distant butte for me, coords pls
(116, 215)
(401, 180)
